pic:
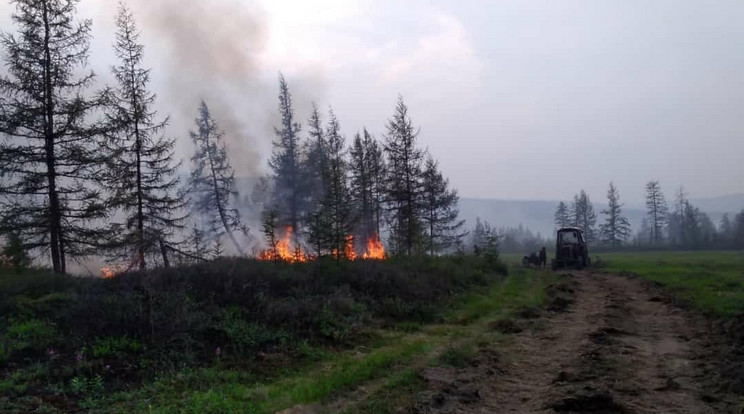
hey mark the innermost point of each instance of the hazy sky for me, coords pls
(517, 99)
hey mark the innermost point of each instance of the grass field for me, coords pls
(710, 281)
(388, 366)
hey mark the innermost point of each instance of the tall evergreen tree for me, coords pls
(440, 213)
(656, 210)
(315, 170)
(212, 180)
(336, 217)
(377, 176)
(367, 184)
(676, 227)
(583, 216)
(50, 158)
(403, 183)
(562, 217)
(616, 228)
(142, 171)
(315, 163)
(286, 164)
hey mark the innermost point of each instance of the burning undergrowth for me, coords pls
(287, 249)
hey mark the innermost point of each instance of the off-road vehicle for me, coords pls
(570, 249)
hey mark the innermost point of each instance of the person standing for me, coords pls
(543, 258)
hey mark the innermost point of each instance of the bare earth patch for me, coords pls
(610, 345)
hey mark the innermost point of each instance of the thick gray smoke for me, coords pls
(210, 50)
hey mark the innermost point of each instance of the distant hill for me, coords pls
(538, 215)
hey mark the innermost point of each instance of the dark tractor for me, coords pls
(570, 249)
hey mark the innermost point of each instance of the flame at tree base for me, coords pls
(284, 252)
(375, 249)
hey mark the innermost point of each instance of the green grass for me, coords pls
(712, 282)
(392, 361)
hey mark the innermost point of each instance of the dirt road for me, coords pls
(617, 349)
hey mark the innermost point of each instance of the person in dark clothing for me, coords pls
(543, 258)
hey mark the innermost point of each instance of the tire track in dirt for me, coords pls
(618, 350)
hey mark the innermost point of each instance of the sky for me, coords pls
(519, 99)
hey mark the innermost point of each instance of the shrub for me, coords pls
(110, 346)
(33, 334)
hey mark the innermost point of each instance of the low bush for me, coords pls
(142, 324)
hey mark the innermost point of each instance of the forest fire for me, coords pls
(375, 249)
(110, 272)
(284, 251)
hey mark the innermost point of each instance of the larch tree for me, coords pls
(367, 184)
(142, 173)
(212, 181)
(360, 186)
(584, 216)
(377, 171)
(50, 157)
(440, 214)
(315, 171)
(616, 228)
(562, 217)
(286, 164)
(656, 211)
(403, 183)
(315, 162)
(335, 221)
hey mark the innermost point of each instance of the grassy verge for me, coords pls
(388, 368)
(712, 282)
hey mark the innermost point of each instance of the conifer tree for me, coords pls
(142, 173)
(286, 164)
(50, 157)
(315, 169)
(583, 216)
(561, 218)
(361, 186)
(403, 183)
(316, 160)
(440, 213)
(616, 228)
(377, 171)
(656, 210)
(212, 180)
(336, 206)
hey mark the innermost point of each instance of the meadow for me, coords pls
(709, 281)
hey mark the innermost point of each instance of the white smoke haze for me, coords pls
(210, 51)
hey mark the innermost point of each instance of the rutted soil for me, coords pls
(610, 345)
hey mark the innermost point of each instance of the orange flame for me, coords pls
(286, 253)
(110, 272)
(284, 250)
(375, 249)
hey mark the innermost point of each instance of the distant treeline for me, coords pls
(681, 226)
(91, 172)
